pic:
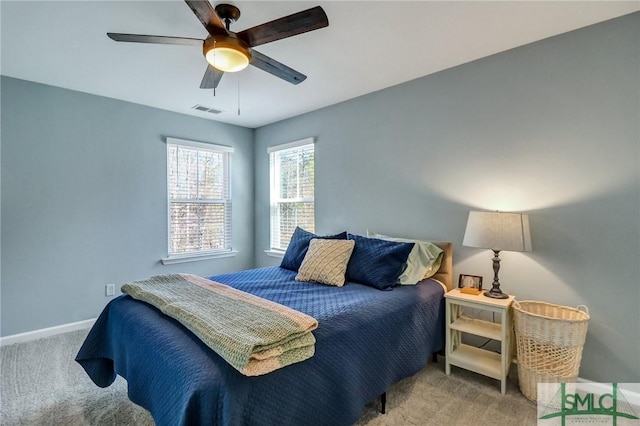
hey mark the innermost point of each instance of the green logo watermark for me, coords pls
(616, 404)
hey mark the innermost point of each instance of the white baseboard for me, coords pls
(632, 396)
(46, 332)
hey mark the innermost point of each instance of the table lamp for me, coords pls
(497, 231)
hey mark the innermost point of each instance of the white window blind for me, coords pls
(292, 190)
(199, 195)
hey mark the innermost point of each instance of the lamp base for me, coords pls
(496, 294)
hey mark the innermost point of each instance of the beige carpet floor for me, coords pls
(41, 384)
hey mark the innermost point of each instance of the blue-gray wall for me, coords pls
(84, 200)
(551, 129)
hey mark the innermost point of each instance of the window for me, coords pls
(292, 190)
(199, 195)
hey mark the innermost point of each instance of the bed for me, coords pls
(366, 340)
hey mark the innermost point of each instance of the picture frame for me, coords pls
(470, 281)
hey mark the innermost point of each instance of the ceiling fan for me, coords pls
(226, 51)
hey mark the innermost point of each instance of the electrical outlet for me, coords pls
(110, 290)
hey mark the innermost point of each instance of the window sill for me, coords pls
(274, 253)
(196, 257)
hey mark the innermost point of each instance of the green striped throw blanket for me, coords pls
(254, 335)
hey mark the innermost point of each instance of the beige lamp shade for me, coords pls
(498, 231)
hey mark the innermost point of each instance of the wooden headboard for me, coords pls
(445, 273)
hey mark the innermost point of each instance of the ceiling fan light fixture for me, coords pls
(227, 54)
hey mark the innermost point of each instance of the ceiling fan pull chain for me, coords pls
(238, 93)
(214, 64)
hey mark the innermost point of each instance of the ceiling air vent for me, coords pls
(206, 109)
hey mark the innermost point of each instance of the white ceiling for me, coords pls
(368, 46)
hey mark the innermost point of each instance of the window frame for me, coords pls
(275, 187)
(201, 254)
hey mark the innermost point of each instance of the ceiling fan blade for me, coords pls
(208, 16)
(276, 68)
(140, 38)
(298, 23)
(211, 78)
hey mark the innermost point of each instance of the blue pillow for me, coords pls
(298, 246)
(377, 263)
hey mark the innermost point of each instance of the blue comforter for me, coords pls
(367, 339)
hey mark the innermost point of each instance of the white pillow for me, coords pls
(423, 261)
(326, 261)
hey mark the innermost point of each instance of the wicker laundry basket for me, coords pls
(549, 342)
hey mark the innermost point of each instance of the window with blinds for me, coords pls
(292, 190)
(199, 195)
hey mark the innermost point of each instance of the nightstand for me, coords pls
(479, 360)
